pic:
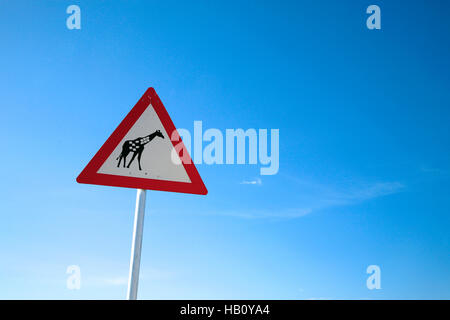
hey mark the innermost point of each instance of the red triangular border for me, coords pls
(89, 174)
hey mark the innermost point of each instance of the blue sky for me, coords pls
(364, 158)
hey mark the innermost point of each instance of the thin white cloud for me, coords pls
(324, 197)
(257, 214)
(362, 193)
(257, 181)
(432, 170)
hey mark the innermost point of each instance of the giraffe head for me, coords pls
(159, 134)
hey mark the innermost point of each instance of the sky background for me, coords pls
(364, 160)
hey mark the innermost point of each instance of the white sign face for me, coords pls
(145, 152)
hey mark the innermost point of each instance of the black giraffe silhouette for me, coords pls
(136, 146)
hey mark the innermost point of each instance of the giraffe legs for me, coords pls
(120, 160)
(136, 146)
(139, 158)
(124, 161)
(132, 158)
(123, 155)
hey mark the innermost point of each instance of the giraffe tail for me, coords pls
(119, 156)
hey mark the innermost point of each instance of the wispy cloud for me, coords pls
(322, 197)
(258, 214)
(362, 193)
(257, 181)
(432, 170)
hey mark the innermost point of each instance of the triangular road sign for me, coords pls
(139, 153)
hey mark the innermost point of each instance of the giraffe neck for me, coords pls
(150, 137)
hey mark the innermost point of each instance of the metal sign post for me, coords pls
(136, 246)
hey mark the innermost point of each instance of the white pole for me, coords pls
(136, 245)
